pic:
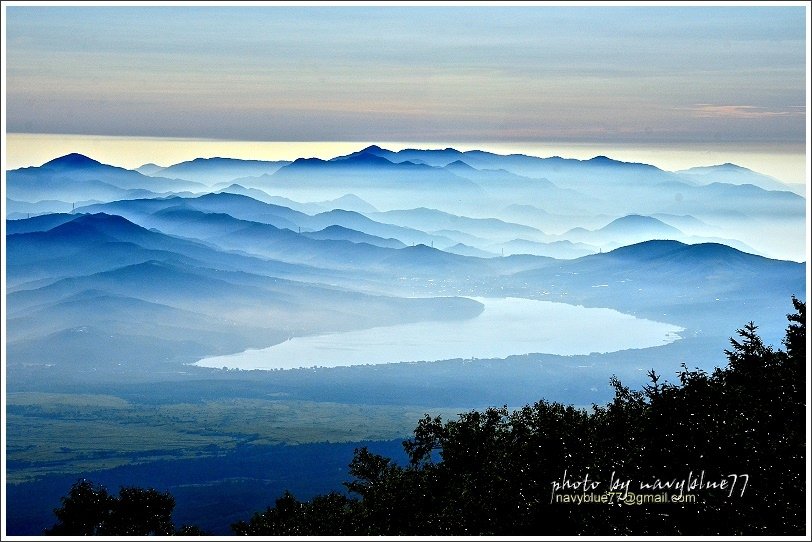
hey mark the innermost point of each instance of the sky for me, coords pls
(680, 77)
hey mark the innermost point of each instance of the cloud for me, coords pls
(739, 111)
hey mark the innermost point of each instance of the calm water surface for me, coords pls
(507, 326)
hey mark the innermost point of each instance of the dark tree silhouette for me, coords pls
(331, 514)
(491, 472)
(84, 511)
(90, 510)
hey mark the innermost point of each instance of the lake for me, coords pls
(507, 326)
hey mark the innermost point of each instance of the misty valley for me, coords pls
(228, 329)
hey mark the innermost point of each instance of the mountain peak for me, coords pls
(649, 249)
(633, 223)
(99, 226)
(700, 252)
(460, 165)
(364, 157)
(601, 159)
(636, 218)
(149, 169)
(105, 220)
(307, 161)
(74, 160)
(729, 165)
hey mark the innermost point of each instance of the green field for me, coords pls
(49, 433)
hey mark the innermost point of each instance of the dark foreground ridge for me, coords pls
(718, 453)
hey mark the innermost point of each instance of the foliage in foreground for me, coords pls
(495, 472)
(90, 510)
(492, 472)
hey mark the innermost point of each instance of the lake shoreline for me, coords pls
(506, 327)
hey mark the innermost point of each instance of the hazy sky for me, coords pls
(655, 75)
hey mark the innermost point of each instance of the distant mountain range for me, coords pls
(75, 177)
(213, 170)
(644, 227)
(732, 174)
(444, 198)
(190, 299)
(340, 233)
(563, 171)
(102, 291)
(117, 282)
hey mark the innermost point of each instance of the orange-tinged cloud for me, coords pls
(739, 111)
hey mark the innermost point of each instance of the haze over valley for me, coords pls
(303, 284)
(147, 273)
